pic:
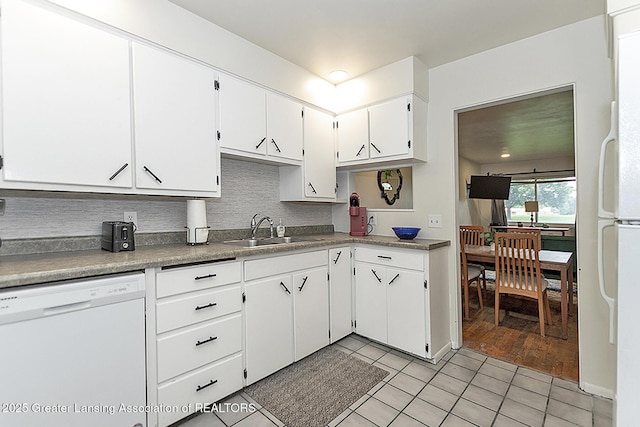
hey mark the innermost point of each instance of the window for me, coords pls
(556, 200)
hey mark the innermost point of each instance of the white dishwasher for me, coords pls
(73, 353)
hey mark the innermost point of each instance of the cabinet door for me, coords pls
(319, 162)
(311, 311)
(340, 292)
(242, 116)
(406, 312)
(175, 113)
(371, 301)
(389, 128)
(269, 326)
(284, 127)
(65, 100)
(353, 136)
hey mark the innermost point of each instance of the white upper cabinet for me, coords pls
(284, 127)
(393, 131)
(65, 102)
(389, 129)
(258, 125)
(242, 117)
(319, 163)
(175, 124)
(316, 179)
(353, 136)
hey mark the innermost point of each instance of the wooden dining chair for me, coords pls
(470, 273)
(534, 231)
(474, 235)
(518, 272)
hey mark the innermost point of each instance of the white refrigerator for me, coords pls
(624, 219)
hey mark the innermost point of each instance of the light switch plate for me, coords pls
(435, 221)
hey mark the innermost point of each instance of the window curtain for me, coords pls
(498, 213)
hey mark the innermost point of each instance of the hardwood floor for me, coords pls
(517, 339)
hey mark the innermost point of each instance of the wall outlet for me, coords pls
(435, 221)
(372, 218)
(131, 217)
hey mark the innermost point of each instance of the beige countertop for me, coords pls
(20, 270)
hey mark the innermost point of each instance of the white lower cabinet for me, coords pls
(269, 326)
(198, 388)
(197, 339)
(286, 310)
(311, 311)
(402, 299)
(340, 291)
(371, 301)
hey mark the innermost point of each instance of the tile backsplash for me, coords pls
(247, 188)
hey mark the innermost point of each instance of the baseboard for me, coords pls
(597, 390)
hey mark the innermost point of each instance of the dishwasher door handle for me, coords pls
(49, 311)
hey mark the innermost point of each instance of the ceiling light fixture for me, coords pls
(338, 76)
(505, 155)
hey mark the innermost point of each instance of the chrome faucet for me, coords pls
(255, 225)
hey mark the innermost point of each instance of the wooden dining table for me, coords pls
(559, 261)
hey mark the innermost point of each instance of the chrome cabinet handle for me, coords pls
(111, 178)
(375, 274)
(273, 141)
(261, 141)
(209, 384)
(146, 169)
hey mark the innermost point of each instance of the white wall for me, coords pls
(471, 211)
(577, 55)
(406, 76)
(171, 26)
(572, 55)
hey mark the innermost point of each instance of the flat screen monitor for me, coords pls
(489, 187)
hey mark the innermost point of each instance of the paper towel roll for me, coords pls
(197, 231)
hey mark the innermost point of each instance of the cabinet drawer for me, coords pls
(258, 268)
(195, 278)
(197, 346)
(187, 390)
(188, 309)
(413, 260)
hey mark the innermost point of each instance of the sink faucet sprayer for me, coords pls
(255, 225)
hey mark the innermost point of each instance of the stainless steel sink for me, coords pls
(252, 243)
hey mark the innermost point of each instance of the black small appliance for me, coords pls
(118, 236)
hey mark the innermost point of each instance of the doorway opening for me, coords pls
(532, 140)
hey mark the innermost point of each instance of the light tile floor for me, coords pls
(464, 389)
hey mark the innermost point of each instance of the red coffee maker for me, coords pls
(358, 216)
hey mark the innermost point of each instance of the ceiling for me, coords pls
(532, 128)
(361, 35)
